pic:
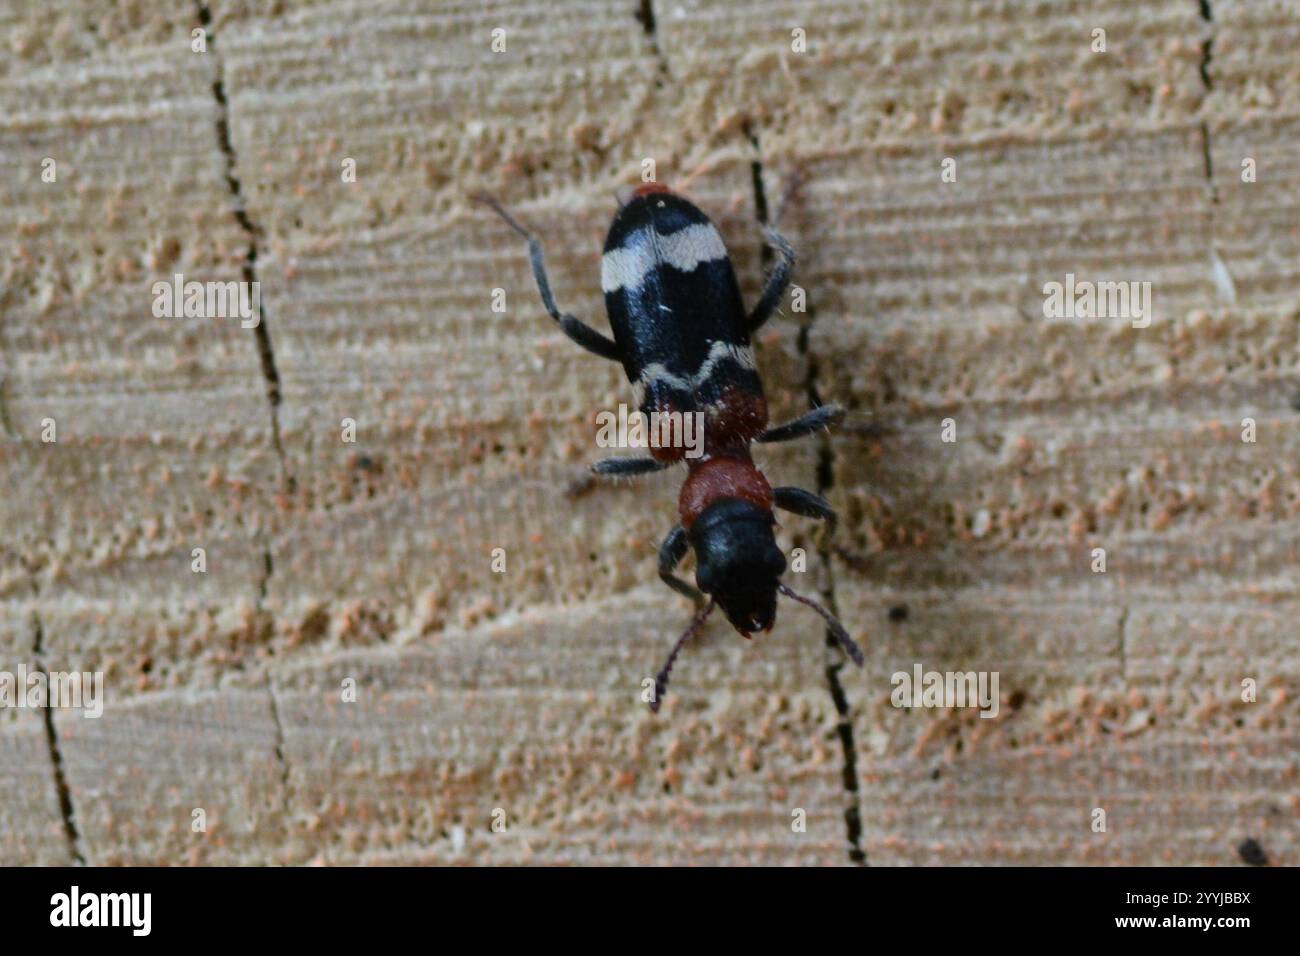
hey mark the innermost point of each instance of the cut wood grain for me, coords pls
(366, 567)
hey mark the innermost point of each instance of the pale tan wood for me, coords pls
(519, 690)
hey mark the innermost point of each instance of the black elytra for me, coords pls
(683, 337)
(675, 306)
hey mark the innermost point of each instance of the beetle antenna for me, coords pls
(835, 627)
(487, 199)
(661, 681)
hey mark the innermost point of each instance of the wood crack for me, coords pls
(6, 425)
(1207, 81)
(66, 809)
(825, 481)
(645, 14)
(285, 787)
(252, 232)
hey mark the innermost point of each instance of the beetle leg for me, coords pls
(823, 416)
(671, 553)
(628, 467)
(574, 328)
(777, 282)
(800, 502)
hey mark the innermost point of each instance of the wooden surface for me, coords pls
(519, 690)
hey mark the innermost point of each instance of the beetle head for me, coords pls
(738, 562)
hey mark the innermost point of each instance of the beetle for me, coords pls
(683, 338)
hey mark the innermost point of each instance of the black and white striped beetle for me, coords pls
(683, 338)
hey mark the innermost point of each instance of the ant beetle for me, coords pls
(683, 338)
